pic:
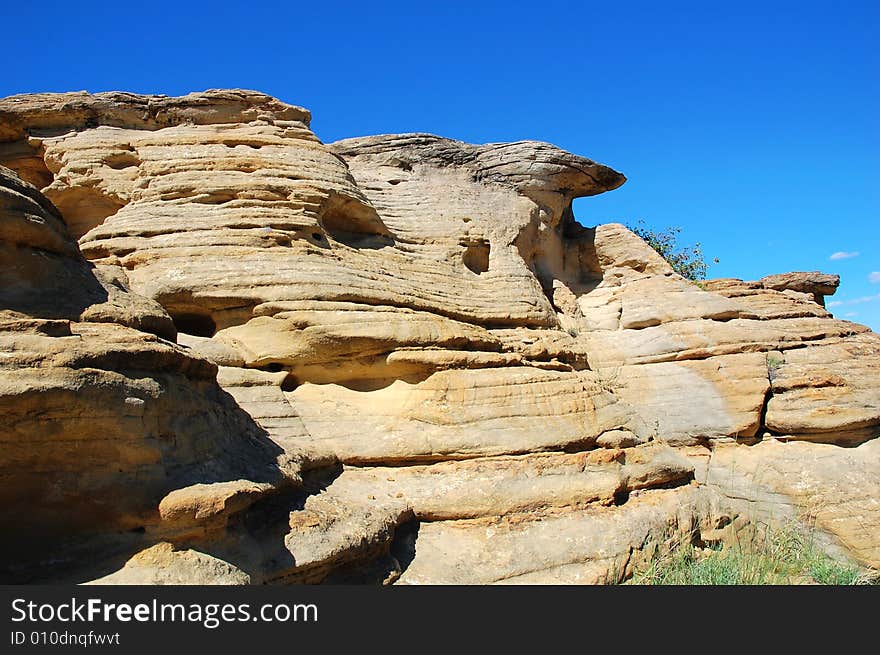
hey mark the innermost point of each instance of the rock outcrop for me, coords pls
(396, 358)
(102, 414)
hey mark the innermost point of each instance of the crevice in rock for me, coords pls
(579, 446)
(569, 448)
(698, 355)
(381, 564)
(382, 569)
(365, 565)
(232, 143)
(206, 316)
(359, 240)
(290, 383)
(265, 525)
(120, 160)
(419, 305)
(420, 460)
(621, 496)
(762, 421)
(562, 258)
(476, 256)
(403, 545)
(361, 374)
(772, 365)
(316, 480)
(214, 198)
(199, 324)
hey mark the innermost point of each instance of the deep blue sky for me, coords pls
(752, 125)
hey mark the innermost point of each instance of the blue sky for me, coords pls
(752, 125)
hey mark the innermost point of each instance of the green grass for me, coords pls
(772, 558)
(774, 362)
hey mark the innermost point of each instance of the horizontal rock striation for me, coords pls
(397, 358)
(101, 413)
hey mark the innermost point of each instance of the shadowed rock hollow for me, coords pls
(231, 353)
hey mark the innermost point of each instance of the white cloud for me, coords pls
(874, 278)
(850, 314)
(843, 255)
(854, 301)
(863, 299)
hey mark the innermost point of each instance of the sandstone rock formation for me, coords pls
(102, 415)
(389, 359)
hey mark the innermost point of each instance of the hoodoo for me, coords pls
(231, 353)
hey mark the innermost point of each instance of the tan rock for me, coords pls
(660, 299)
(693, 401)
(43, 274)
(457, 414)
(329, 534)
(162, 564)
(497, 486)
(509, 391)
(99, 421)
(590, 546)
(814, 283)
(314, 341)
(700, 339)
(209, 505)
(624, 254)
(834, 489)
(261, 395)
(828, 392)
(23, 115)
(768, 303)
(211, 349)
(358, 520)
(287, 212)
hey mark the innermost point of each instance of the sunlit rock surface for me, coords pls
(231, 353)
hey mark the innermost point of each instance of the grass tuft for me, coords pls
(780, 557)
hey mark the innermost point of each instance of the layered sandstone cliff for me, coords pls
(232, 353)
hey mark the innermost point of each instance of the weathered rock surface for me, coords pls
(99, 419)
(838, 489)
(459, 413)
(163, 564)
(44, 276)
(391, 358)
(814, 283)
(588, 546)
(783, 296)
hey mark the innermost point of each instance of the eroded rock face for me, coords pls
(397, 358)
(837, 488)
(100, 417)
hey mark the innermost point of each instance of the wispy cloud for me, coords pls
(843, 255)
(855, 301)
(850, 314)
(874, 278)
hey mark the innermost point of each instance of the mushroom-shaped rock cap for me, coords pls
(815, 282)
(532, 167)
